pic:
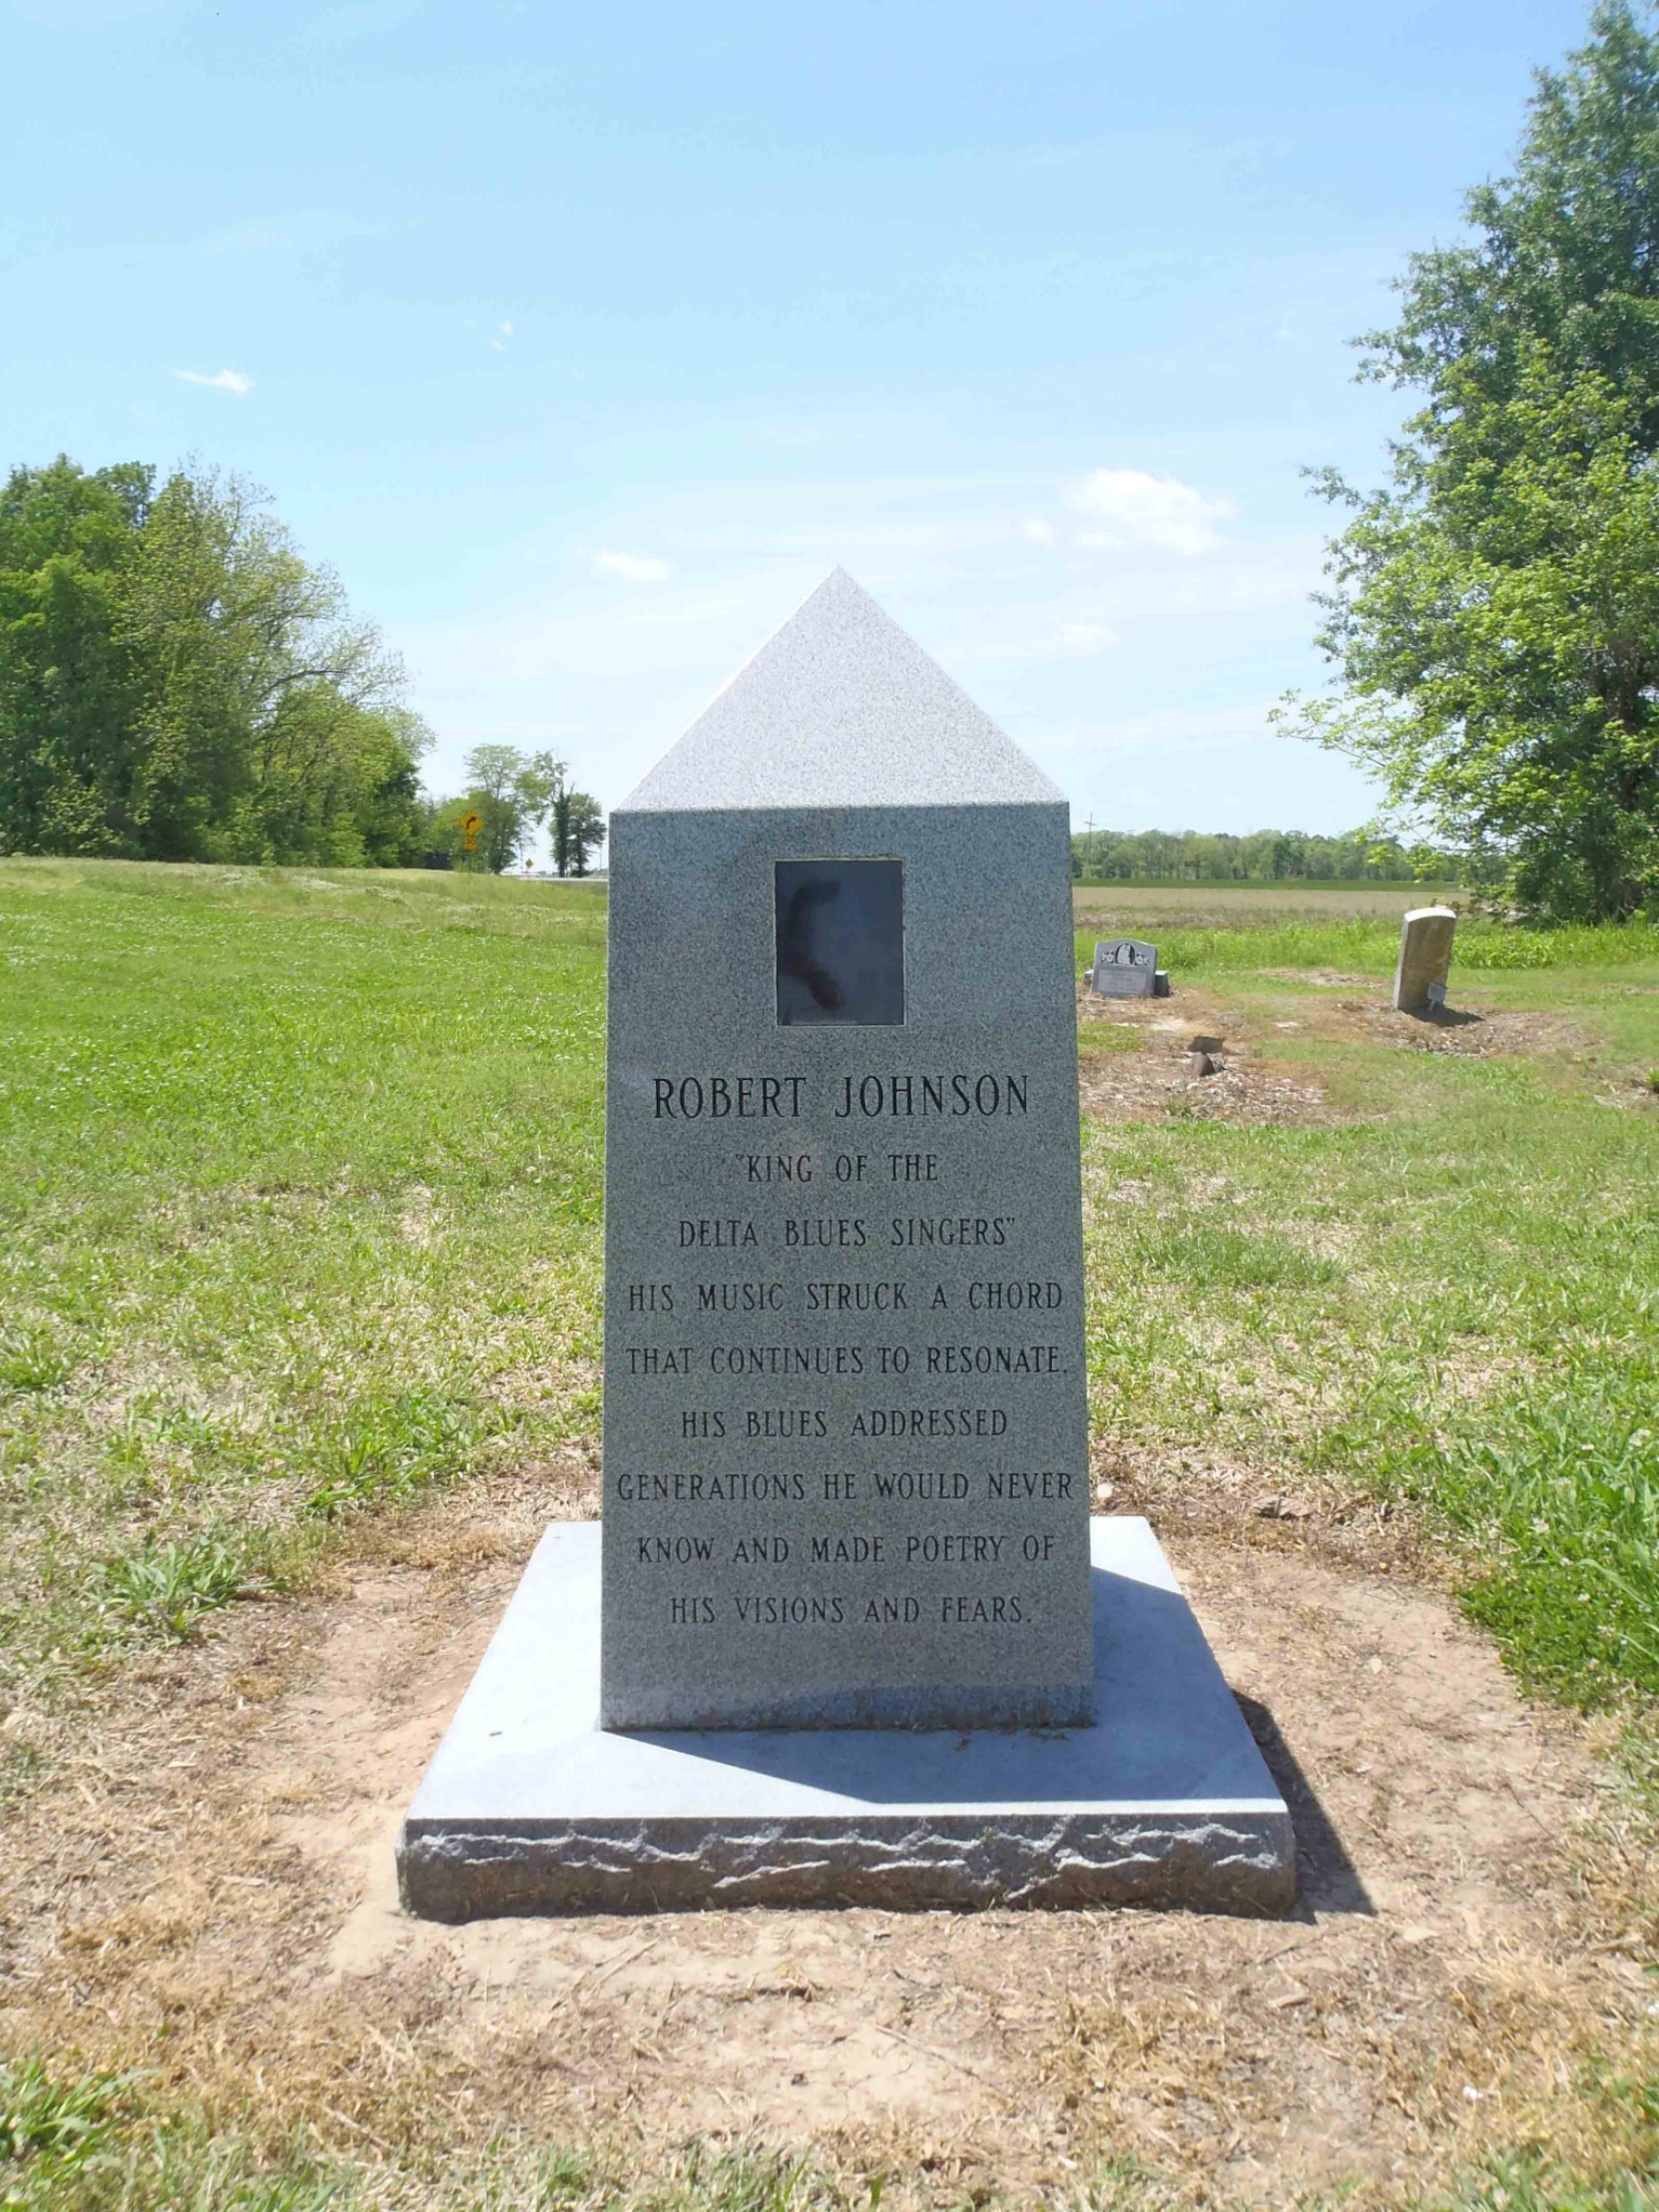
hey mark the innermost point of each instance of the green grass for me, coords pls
(166, 1587)
(300, 1213)
(92, 2143)
(1455, 1301)
(300, 1216)
(300, 1201)
(1332, 894)
(1487, 1346)
(1248, 941)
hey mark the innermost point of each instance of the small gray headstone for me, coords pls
(1125, 968)
(1425, 935)
(845, 1442)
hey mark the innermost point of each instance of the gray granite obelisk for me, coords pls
(845, 1453)
(854, 1638)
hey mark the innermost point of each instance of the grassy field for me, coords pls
(302, 1212)
(300, 1218)
(1203, 930)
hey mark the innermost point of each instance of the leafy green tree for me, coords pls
(515, 794)
(513, 791)
(177, 683)
(68, 683)
(444, 842)
(337, 785)
(578, 831)
(1494, 611)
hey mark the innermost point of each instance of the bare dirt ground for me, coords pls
(208, 1891)
(1475, 1026)
(1145, 1073)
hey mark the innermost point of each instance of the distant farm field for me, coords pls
(1209, 904)
(300, 1190)
(1201, 929)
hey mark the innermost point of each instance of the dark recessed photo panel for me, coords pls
(841, 941)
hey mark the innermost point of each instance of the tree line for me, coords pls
(1262, 856)
(178, 684)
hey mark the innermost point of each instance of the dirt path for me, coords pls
(210, 1894)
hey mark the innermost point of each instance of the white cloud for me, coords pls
(1037, 532)
(633, 568)
(631, 658)
(367, 19)
(505, 331)
(226, 380)
(1164, 731)
(1088, 637)
(1159, 511)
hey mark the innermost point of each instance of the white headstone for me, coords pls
(1425, 935)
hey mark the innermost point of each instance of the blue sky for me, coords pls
(583, 340)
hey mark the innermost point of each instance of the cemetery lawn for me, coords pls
(301, 1205)
(299, 1290)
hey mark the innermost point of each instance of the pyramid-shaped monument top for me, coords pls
(840, 707)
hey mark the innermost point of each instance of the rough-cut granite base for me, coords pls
(529, 1807)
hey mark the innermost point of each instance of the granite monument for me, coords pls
(853, 1636)
(846, 1452)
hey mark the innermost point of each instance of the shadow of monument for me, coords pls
(1441, 1017)
(1326, 1878)
(1166, 1733)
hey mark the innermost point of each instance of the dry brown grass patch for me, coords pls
(1154, 1080)
(209, 1895)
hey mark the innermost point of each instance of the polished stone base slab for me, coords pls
(529, 1807)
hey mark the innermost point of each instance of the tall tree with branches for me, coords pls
(513, 791)
(1494, 609)
(177, 683)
